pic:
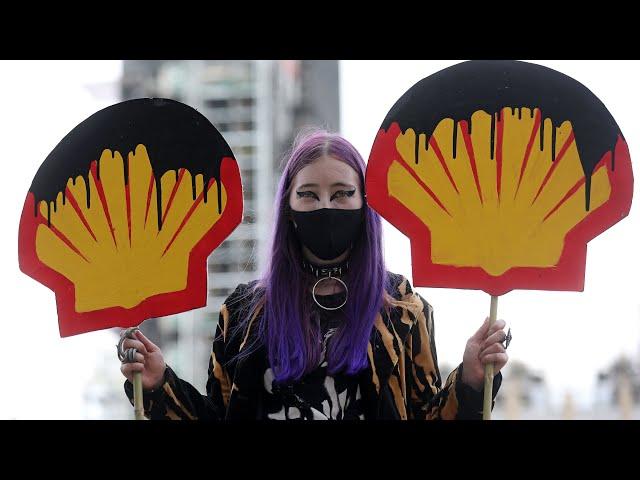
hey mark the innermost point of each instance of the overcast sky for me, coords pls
(44, 376)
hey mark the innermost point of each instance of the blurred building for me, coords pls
(258, 106)
(618, 390)
(523, 394)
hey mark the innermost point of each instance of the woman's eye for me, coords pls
(343, 193)
(307, 194)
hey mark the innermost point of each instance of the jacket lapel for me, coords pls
(386, 344)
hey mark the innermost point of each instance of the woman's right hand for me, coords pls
(149, 361)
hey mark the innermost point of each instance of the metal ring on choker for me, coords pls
(313, 292)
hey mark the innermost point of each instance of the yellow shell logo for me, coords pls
(113, 252)
(122, 233)
(499, 172)
(496, 220)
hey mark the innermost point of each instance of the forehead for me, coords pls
(325, 171)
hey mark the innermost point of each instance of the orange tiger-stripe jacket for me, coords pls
(404, 373)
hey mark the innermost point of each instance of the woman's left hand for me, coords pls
(485, 346)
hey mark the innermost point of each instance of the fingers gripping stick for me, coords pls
(129, 356)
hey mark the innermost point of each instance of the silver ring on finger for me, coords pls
(121, 353)
(130, 355)
(124, 334)
(507, 339)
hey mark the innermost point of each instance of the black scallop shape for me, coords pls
(491, 85)
(174, 134)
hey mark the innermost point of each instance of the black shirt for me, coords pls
(318, 395)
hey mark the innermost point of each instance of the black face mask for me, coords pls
(328, 232)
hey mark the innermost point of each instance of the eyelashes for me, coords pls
(304, 195)
(349, 193)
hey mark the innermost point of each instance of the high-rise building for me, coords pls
(258, 106)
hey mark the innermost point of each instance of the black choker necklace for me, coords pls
(335, 269)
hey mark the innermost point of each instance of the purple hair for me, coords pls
(284, 289)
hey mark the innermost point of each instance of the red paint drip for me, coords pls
(499, 142)
(472, 158)
(568, 195)
(527, 154)
(424, 187)
(149, 192)
(74, 203)
(128, 198)
(173, 194)
(187, 216)
(68, 242)
(103, 201)
(438, 152)
(560, 156)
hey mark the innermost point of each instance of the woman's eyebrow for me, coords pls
(337, 184)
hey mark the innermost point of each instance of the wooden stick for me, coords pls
(138, 406)
(488, 368)
(138, 399)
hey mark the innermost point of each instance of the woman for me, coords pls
(326, 332)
